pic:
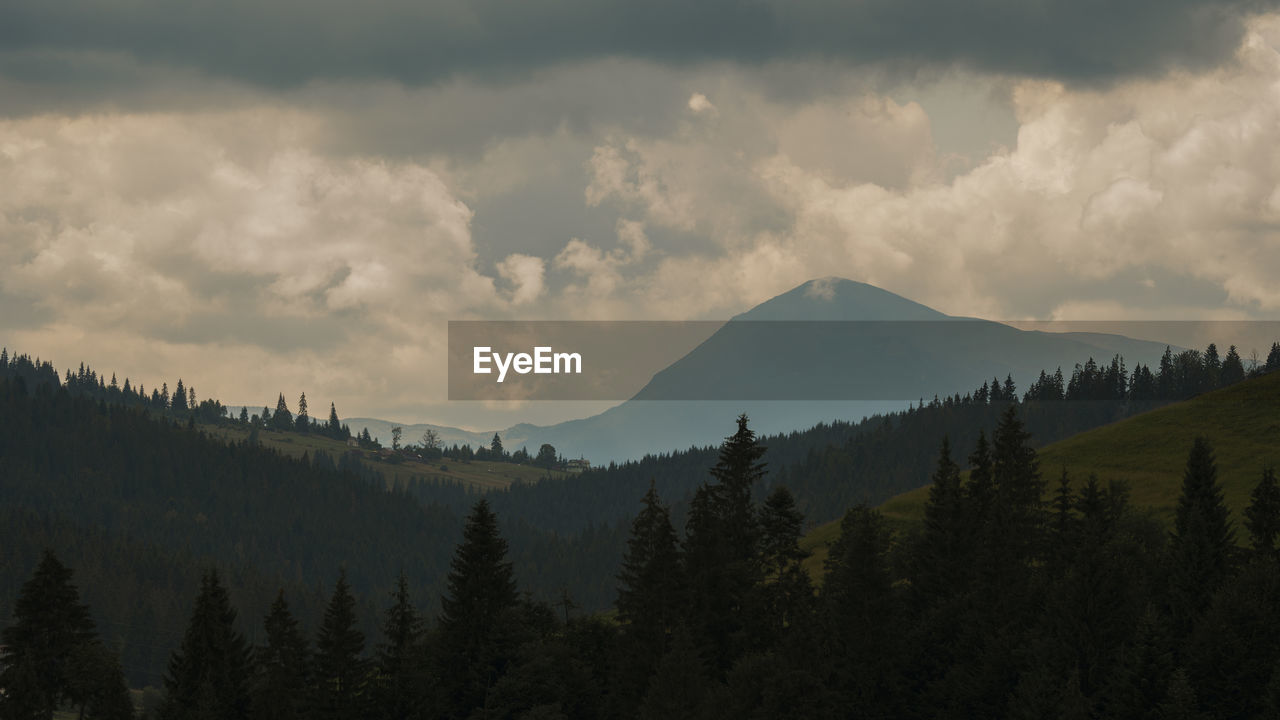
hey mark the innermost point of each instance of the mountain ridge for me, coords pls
(891, 352)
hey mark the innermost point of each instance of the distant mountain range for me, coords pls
(875, 350)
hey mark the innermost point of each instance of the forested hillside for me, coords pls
(142, 501)
(141, 507)
(1002, 605)
(1242, 421)
(831, 467)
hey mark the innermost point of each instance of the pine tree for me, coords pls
(1232, 368)
(281, 686)
(99, 684)
(334, 428)
(1262, 517)
(781, 525)
(400, 672)
(1064, 523)
(1018, 511)
(858, 606)
(942, 553)
(1212, 367)
(857, 583)
(341, 671)
(649, 592)
(979, 503)
(788, 590)
(721, 551)
(495, 447)
(282, 419)
(1202, 540)
(475, 614)
(1166, 383)
(737, 469)
(1273, 358)
(303, 421)
(50, 627)
(1010, 391)
(209, 672)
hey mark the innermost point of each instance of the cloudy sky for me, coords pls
(279, 195)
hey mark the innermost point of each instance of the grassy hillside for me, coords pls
(1148, 451)
(480, 474)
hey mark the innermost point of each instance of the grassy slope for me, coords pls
(485, 475)
(1148, 451)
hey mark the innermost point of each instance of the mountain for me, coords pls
(838, 299)
(381, 429)
(830, 349)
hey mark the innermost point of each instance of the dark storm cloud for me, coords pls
(290, 42)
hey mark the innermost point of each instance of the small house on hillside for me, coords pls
(577, 466)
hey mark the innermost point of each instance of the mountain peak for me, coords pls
(837, 298)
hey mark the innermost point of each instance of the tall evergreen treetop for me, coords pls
(481, 581)
(1232, 368)
(781, 526)
(739, 465)
(737, 469)
(400, 667)
(476, 633)
(209, 672)
(1015, 468)
(281, 687)
(979, 491)
(303, 421)
(788, 589)
(1273, 358)
(179, 397)
(335, 426)
(1202, 541)
(1200, 507)
(50, 627)
(721, 550)
(282, 419)
(402, 630)
(944, 545)
(648, 590)
(1212, 366)
(857, 588)
(341, 669)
